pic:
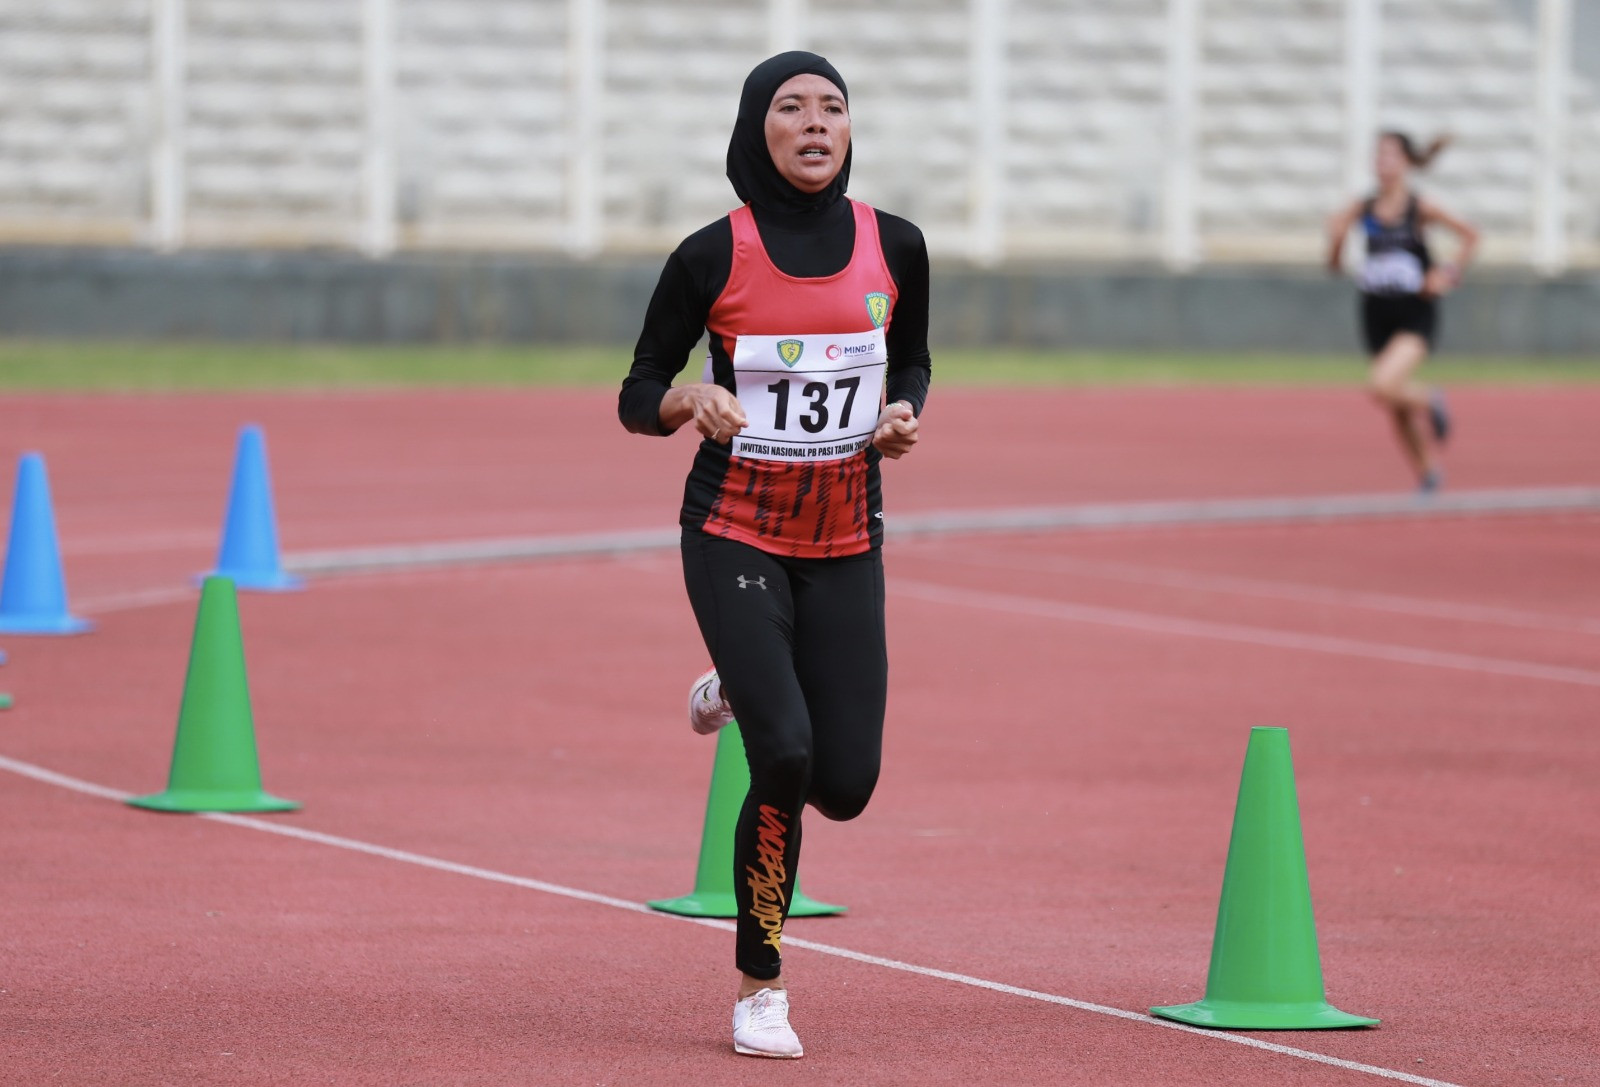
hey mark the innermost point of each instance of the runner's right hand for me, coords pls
(717, 413)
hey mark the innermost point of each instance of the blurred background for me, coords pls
(1149, 173)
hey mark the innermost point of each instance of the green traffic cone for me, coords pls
(713, 881)
(1265, 970)
(214, 765)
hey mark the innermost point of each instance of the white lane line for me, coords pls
(1220, 511)
(136, 598)
(138, 542)
(1117, 515)
(1233, 632)
(50, 777)
(1300, 592)
(1119, 1013)
(449, 554)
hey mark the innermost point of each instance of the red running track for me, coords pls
(1066, 726)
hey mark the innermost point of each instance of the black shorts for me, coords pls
(1382, 315)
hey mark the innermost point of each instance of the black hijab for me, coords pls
(755, 178)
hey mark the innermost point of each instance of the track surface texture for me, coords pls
(1068, 717)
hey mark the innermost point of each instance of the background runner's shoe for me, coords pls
(1439, 416)
(761, 1026)
(708, 710)
(1431, 482)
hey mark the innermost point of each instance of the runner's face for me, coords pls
(1390, 164)
(808, 132)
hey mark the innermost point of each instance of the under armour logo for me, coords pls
(759, 582)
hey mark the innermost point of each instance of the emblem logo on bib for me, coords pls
(790, 350)
(878, 308)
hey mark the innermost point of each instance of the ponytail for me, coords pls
(1418, 159)
(1431, 152)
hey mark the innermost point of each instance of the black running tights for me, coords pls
(799, 646)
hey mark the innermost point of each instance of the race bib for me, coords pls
(1398, 271)
(808, 397)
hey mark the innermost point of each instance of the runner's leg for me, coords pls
(1394, 387)
(843, 666)
(743, 601)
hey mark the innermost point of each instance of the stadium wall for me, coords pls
(1007, 129)
(545, 298)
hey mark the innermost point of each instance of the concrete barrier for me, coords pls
(445, 298)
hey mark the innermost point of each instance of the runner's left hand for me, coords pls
(897, 430)
(1441, 280)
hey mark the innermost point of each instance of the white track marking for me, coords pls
(469, 552)
(454, 554)
(1300, 592)
(1109, 516)
(136, 598)
(138, 542)
(1119, 1013)
(1286, 509)
(1233, 632)
(50, 777)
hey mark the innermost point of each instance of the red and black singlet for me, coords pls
(803, 315)
(808, 358)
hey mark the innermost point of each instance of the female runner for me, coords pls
(1400, 288)
(816, 307)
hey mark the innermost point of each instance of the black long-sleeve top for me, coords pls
(805, 246)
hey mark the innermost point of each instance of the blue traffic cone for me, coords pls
(249, 552)
(33, 596)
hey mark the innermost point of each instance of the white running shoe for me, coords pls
(761, 1026)
(708, 710)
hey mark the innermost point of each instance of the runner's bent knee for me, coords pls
(844, 799)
